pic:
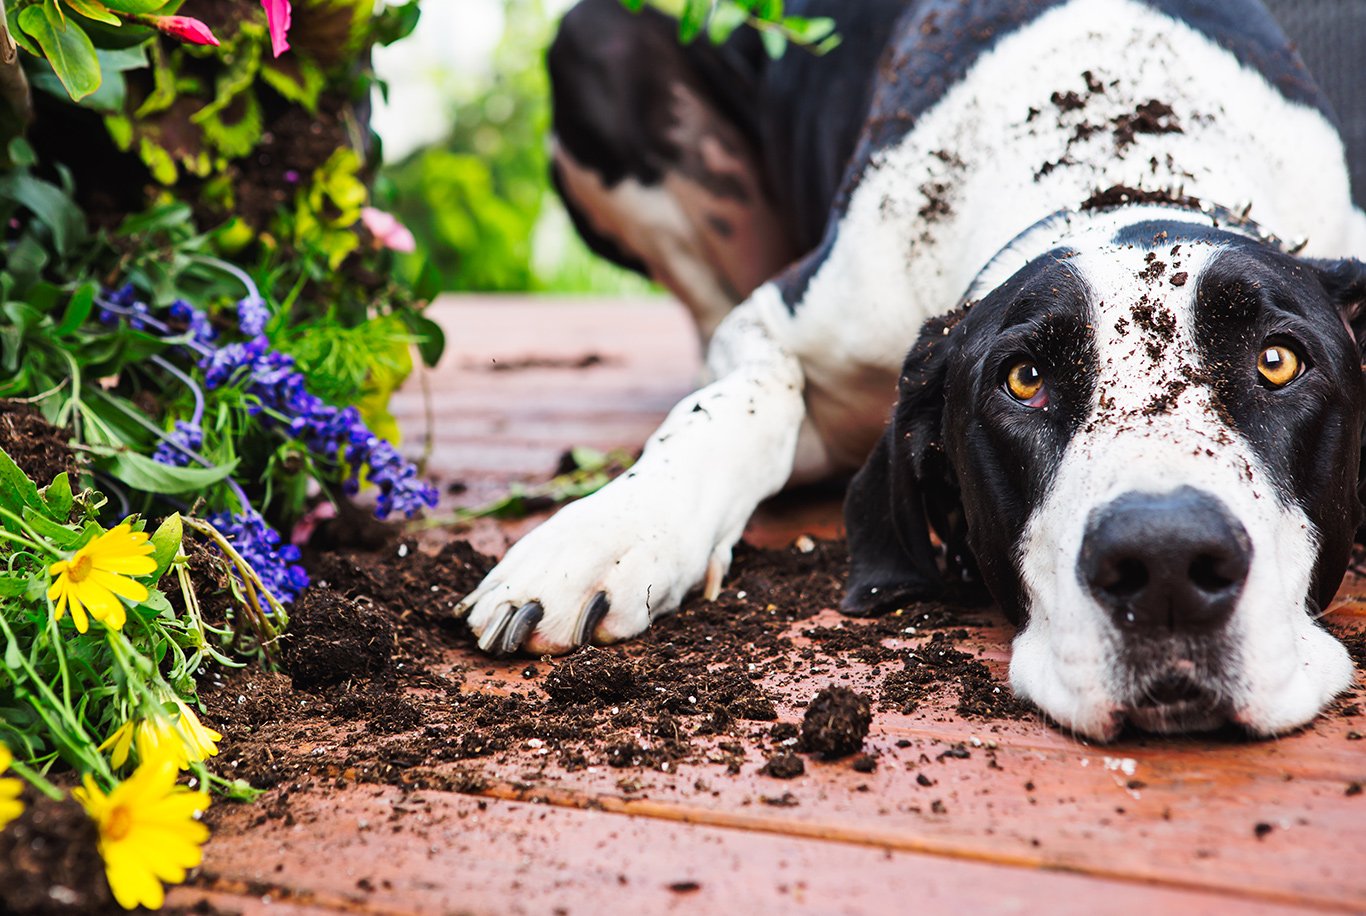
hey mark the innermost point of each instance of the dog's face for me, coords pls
(1148, 441)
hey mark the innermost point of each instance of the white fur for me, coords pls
(826, 371)
(1066, 659)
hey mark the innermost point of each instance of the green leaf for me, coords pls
(142, 473)
(66, 46)
(93, 9)
(16, 490)
(62, 537)
(14, 659)
(135, 6)
(58, 498)
(12, 587)
(695, 13)
(166, 543)
(156, 602)
(431, 339)
(775, 43)
(50, 204)
(809, 31)
(727, 18)
(77, 310)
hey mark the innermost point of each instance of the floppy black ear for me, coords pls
(906, 485)
(1345, 283)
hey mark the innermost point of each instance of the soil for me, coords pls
(372, 691)
(36, 446)
(46, 859)
(836, 723)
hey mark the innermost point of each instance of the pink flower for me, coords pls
(387, 230)
(277, 17)
(185, 29)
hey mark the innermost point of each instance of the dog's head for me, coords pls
(1146, 444)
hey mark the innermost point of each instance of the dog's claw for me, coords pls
(514, 629)
(716, 572)
(593, 614)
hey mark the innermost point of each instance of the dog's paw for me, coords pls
(599, 571)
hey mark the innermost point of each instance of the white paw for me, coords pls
(600, 570)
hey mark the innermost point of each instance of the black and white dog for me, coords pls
(1114, 234)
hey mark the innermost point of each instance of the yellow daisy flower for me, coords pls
(149, 832)
(96, 576)
(186, 740)
(10, 805)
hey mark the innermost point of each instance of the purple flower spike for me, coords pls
(252, 315)
(175, 449)
(261, 546)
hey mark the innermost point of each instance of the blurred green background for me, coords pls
(464, 130)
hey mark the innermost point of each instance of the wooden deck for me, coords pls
(1030, 821)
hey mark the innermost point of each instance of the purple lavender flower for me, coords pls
(263, 548)
(224, 363)
(252, 315)
(175, 449)
(198, 323)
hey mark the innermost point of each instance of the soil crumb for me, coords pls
(784, 766)
(836, 723)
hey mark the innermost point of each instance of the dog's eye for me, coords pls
(1024, 382)
(1279, 365)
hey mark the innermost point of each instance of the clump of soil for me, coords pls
(50, 862)
(592, 675)
(38, 447)
(332, 638)
(836, 723)
(784, 766)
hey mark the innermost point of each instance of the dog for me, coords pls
(1115, 237)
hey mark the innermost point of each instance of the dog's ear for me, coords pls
(905, 486)
(1345, 283)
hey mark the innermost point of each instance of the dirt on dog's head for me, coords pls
(1146, 444)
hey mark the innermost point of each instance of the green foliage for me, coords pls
(64, 687)
(720, 18)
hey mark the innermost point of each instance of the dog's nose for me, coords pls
(1166, 563)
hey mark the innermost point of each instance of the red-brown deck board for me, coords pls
(1146, 823)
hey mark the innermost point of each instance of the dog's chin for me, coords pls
(1179, 717)
(1175, 703)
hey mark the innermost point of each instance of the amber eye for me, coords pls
(1279, 365)
(1025, 383)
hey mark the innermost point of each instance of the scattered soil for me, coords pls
(379, 684)
(836, 723)
(49, 860)
(36, 446)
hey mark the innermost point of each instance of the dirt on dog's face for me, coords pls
(1148, 441)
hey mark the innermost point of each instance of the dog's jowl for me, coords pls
(1116, 238)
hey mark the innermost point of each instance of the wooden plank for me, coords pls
(380, 849)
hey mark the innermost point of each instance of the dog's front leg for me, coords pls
(604, 567)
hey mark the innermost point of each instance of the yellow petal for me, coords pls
(100, 602)
(126, 588)
(77, 613)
